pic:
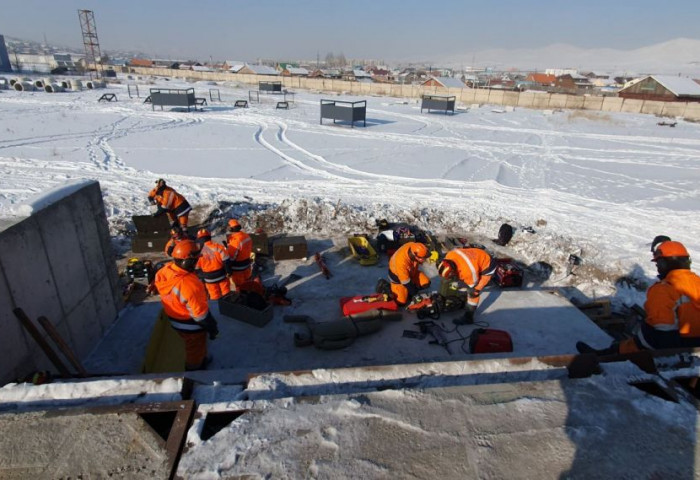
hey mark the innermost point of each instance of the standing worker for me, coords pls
(473, 267)
(214, 264)
(240, 247)
(171, 203)
(404, 271)
(184, 300)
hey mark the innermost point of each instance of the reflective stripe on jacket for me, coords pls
(240, 246)
(212, 259)
(474, 266)
(182, 294)
(672, 305)
(171, 201)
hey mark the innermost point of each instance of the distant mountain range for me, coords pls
(681, 55)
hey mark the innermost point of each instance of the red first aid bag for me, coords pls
(364, 303)
(490, 340)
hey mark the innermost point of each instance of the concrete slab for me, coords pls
(540, 324)
(590, 428)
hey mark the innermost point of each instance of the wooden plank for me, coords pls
(62, 345)
(41, 341)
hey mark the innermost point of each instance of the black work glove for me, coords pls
(210, 326)
(159, 212)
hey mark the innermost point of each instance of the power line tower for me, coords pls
(90, 41)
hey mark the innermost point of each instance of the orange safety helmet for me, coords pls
(203, 233)
(234, 225)
(418, 252)
(670, 249)
(185, 249)
(447, 268)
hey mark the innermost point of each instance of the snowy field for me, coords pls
(594, 184)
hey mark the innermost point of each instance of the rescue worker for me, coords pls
(658, 240)
(472, 267)
(405, 276)
(214, 266)
(672, 306)
(176, 236)
(171, 203)
(184, 300)
(240, 247)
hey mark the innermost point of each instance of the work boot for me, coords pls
(467, 318)
(202, 366)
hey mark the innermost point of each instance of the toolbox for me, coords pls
(261, 245)
(152, 233)
(237, 305)
(289, 248)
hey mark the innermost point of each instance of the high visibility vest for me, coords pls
(401, 268)
(211, 261)
(183, 296)
(674, 303)
(171, 201)
(240, 246)
(474, 266)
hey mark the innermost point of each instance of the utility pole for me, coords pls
(90, 41)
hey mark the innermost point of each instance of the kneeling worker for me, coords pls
(184, 300)
(473, 267)
(672, 307)
(404, 271)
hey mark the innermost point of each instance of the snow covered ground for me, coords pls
(597, 185)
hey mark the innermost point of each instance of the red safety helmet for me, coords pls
(670, 249)
(234, 225)
(447, 268)
(418, 252)
(203, 233)
(185, 249)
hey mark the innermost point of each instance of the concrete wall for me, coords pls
(57, 263)
(465, 95)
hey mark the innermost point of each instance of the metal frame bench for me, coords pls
(108, 97)
(172, 97)
(344, 111)
(444, 103)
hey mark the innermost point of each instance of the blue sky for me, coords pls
(379, 29)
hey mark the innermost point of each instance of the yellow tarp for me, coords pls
(166, 350)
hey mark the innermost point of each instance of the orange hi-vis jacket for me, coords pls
(212, 261)
(474, 266)
(240, 246)
(673, 304)
(183, 296)
(402, 269)
(171, 201)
